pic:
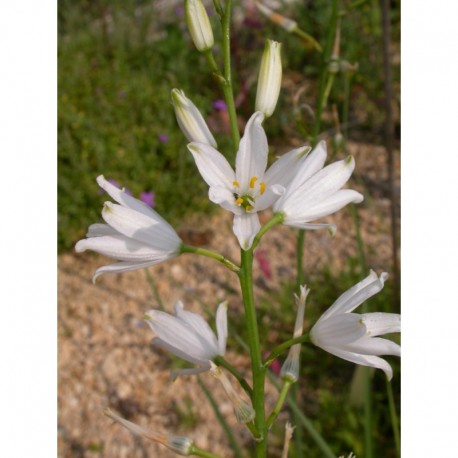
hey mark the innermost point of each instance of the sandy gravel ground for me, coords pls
(105, 356)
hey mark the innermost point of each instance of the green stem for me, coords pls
(279, 349)
(227, 88)
(276, 219)
(258, 370)
(220, 361)
(368, 453)
(210, 254)
(280, 401)
(324, 68)
(394, 417)
(193, 450)
(227, 429)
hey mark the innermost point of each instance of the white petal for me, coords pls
(337, 330)
(313, 162)
(98, 230)
(357, 294)
(332, 204)
(251, 160)
(285, 168)
(121, 248)
(364, 360)
(123, 266)
(212, 165)
(140, 227)
(317, 188)
(179, 335)
(379, 323)
(124, 199)
(199, 325)
(221, 326)
(295, 222)
(269, 197)
(245, 228)
(175, 351)
(374, 346)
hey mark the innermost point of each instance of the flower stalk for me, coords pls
(258, 370)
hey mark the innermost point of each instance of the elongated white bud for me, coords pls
(179, 444)
(199, 25)
(290, 368)
(269, 80)
(244, 413)
(190, 120)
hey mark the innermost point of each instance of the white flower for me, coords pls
(269, 80)
(188, 336)
(190, 120)
(352, 336)
(250, 188)
(135, 234)
(315, 192)
(199, 24)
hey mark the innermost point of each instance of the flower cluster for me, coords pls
(299, 189)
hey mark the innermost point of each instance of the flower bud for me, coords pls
(191, 122)
(269, 80)
(179, 444)
(199, 25)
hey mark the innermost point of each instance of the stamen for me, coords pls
(239, 201)
(236, 184)
(262, 187)
(253, 181)
(248, 208)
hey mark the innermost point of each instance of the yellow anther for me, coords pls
(262, 187)
(253, 181)
(239, 201)
(236, 184)
(248, 208)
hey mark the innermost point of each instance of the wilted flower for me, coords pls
(135, 234)
(287, 23)
(290, 368)
(188, 336)
(269, 80)
(315, 192)
(244, 413)
(199, 25)
(352, 336)
(250, 188)
(191, 122)
(179, 444)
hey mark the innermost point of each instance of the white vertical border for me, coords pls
(429, 220)
(28, 228)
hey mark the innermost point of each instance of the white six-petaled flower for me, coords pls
(250, 188)
(188, 336)
(315, 192)
(135, 234)
(353, 336)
